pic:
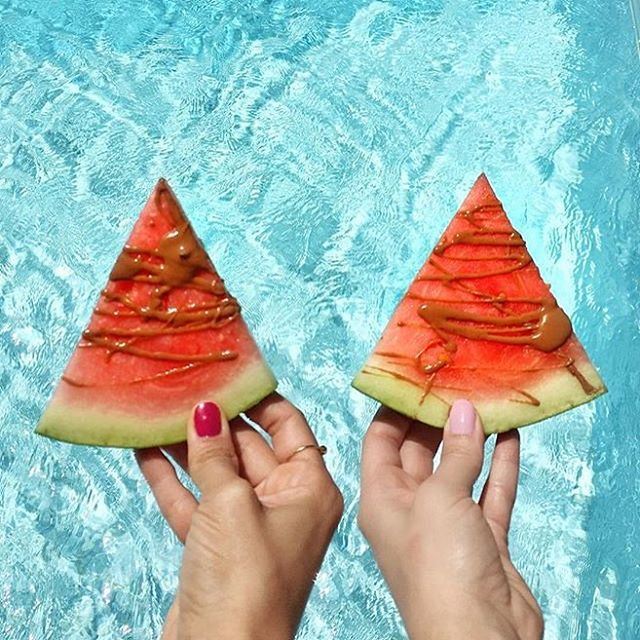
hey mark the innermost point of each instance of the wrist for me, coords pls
(232, 630)
(455, 618)
(238, 614)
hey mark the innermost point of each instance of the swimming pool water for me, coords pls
(319, 149)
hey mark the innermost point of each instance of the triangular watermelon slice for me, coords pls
(478, 322)
(164, 335)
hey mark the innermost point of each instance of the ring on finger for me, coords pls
(319, 447)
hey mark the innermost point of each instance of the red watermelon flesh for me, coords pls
(478, 322)
(164, 335)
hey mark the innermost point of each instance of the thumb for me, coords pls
(463, 447)
(212, 456)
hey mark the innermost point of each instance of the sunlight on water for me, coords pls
(320, 149)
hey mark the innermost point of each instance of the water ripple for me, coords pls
(320, 148)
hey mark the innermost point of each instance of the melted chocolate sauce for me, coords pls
(546, 327)
(179, 262)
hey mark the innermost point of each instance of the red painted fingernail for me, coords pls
(207, 420)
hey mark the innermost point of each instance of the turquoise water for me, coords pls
(320, 149)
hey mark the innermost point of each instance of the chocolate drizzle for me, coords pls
(589, 389)
(178, 263)
(483, 237)
(534, 322)
(546, 328)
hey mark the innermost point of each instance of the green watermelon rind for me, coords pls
(558, 392)
(102, 428)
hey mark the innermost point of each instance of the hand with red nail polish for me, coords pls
(444, 556)
(256, 539)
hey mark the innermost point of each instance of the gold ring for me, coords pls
(320, 447)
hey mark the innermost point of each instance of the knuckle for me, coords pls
(233, 500)
(377, 432)
(506, 457)
(457, 450)
(431, 492)
(533, 627)
(335, 504)
(180, 507)
(233, 493)
(501, 491)
(463, 456)
(315, 479)
(498, 528)
(292, 414)
(323, 496)
(297, 414)
(206, 456)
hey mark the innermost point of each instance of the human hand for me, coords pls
(444, 556)
(255, 542)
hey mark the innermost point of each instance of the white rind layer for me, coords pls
(101, 427)
(557, 391)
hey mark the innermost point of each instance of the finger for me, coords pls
(176, 503)
(170, 628)
(287, 427)
(382, 443)
(257, 459)
(463, 448)
(499, 492)
(213, 463)
(418, 450)
(178, 452)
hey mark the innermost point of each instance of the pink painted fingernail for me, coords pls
(207, 420)
(462, 419)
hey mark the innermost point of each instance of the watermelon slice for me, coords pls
(478, 322)
(164, 335)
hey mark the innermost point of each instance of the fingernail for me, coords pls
(462, 419)
(206, 419)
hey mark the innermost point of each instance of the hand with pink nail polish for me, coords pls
(445, 557)
(256, 539)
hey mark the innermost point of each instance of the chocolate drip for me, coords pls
(587, 387)
(179, 262)
(481, 237)
(544, 326)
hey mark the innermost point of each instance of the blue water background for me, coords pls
(320, 149)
